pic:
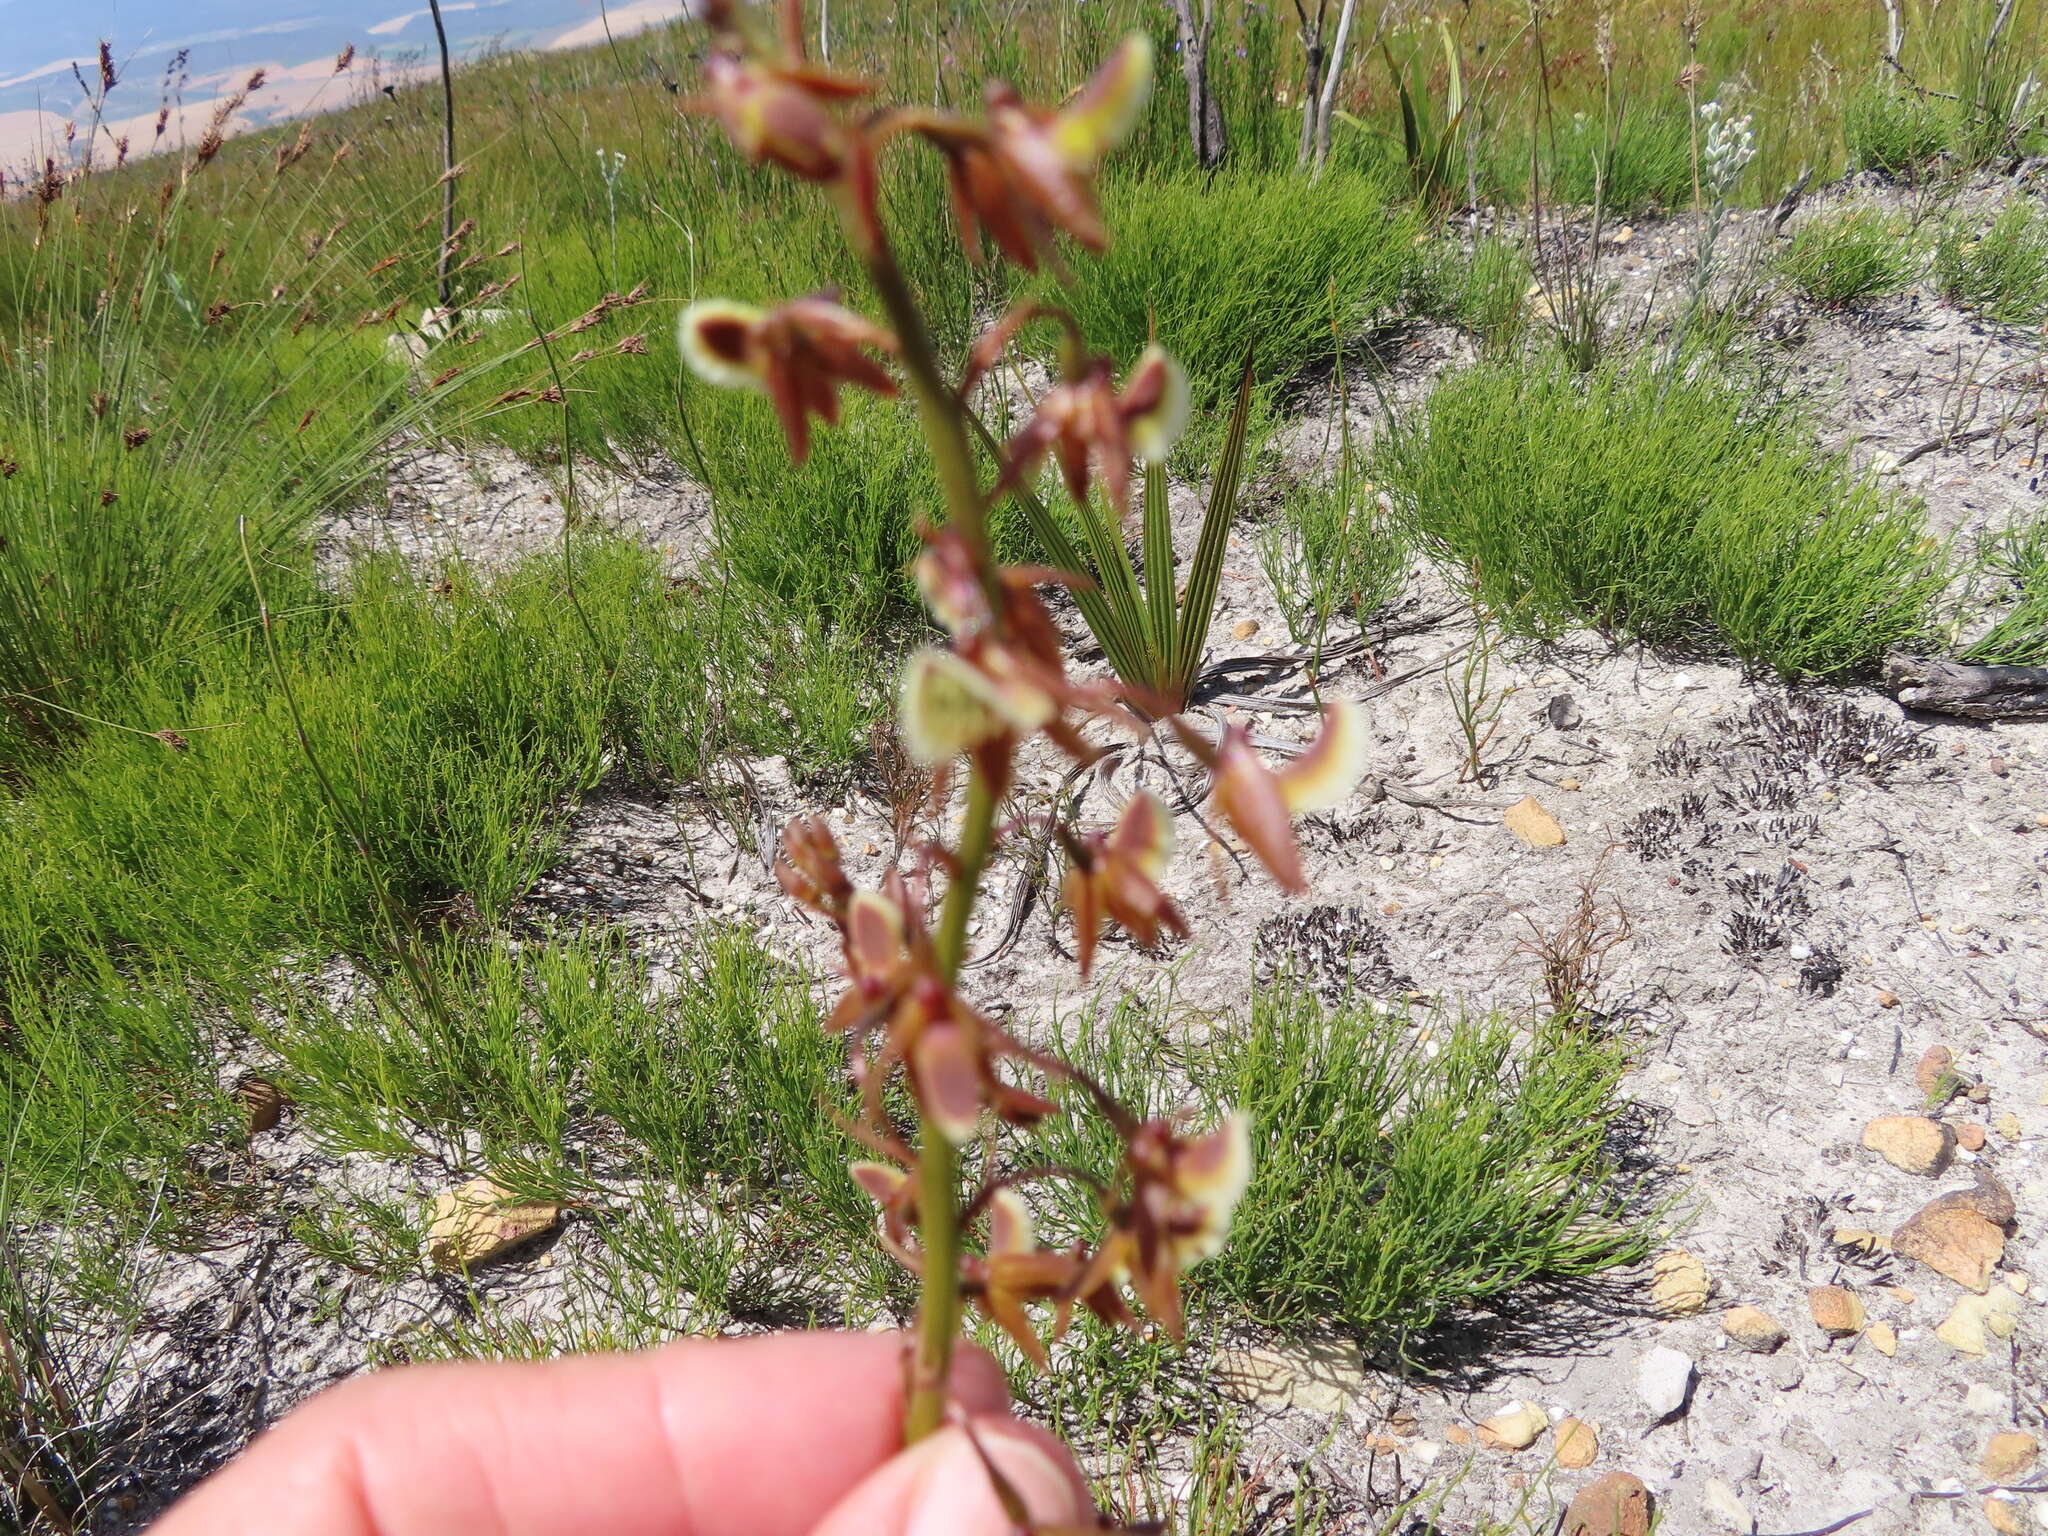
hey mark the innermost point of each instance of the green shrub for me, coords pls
(1483, 291)
(1896, 131)
(830, 540)
(1222, 262)
(452, 723)
(2003, 272)
(1643, 162)
(1393, 1185)
(2017, 562)
(1330, 552)
(1667, 506)
(1852, 257)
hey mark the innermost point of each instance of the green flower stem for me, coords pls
(938, 1192)
(977, 833)
(945, 432)
(938, 1305)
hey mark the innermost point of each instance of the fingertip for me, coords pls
(945, 1485)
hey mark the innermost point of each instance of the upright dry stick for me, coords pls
(447, 159)
(1327, 102)
(1205, 114)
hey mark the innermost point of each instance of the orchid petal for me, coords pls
(1211, 1174)
(1079, 893)
(948, 708)
(951, 706)
(948, 1081)
(874, 934)
(1009, 1224)
(1324, 776)
(1108, 107)
(1144, 834)
(1251, 800)
(882, 1182)
(1157, 427)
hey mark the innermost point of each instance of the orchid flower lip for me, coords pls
(696, 334)
(1155, 432)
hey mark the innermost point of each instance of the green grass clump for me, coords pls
(1661, 505)
(719, 1082)
(1849, 258)
(1221, 262)
(454, 725)
(1638, 160)
(2017, 561)
(1394, 1185)
(2002, 272)
(1330, 553)
(831, 539)
(1483, 292)
(1897, 131)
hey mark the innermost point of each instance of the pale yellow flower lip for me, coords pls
(1322, 778)
(951, 706)
(712, 335)
(1102, 116)
(1154, 433)
(1213, 1176)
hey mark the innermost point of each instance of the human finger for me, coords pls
(741, 1437)
(943, 1486)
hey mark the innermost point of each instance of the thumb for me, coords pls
(941, 1485)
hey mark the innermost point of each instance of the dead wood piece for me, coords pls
(1972, 692)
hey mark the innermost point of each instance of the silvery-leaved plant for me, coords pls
(1730, 146)
(1021, 177)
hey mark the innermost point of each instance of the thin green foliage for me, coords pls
(1895, 130)
(1671, 506)
(1633, 157)
(1405, 1169)
(1331, 553)
(2017, 563)
(1430, 142)
(1204, 263)
(1482, 291)
(1847, 258)
(2001, 272)
(69, 1308)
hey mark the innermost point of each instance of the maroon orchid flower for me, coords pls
(798, 354)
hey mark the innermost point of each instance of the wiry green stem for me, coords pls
(977, 833)
(938, 1305)
(938, 1193)
(945, 432)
